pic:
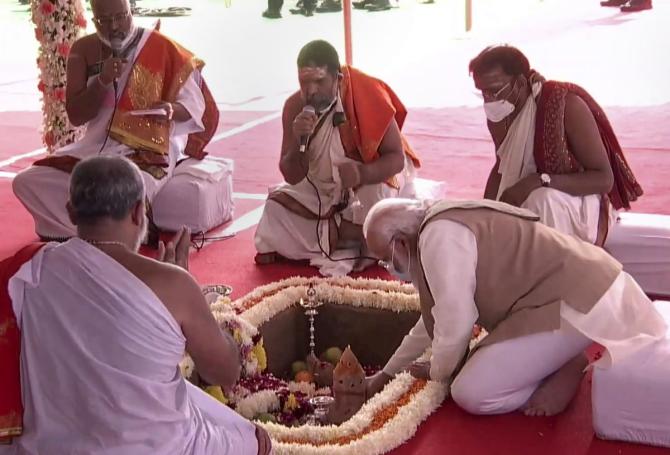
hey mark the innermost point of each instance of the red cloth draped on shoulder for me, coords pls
(551, 152)
(11, 407)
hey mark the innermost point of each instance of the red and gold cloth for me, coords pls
(551, 149)
(158, 74)
(11, 407)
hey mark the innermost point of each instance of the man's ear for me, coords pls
(70, 213)
(138, 212)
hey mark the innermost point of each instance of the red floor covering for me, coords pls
(455, 148)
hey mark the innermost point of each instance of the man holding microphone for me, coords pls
(342, 151)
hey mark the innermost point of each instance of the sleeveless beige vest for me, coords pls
(525, 270)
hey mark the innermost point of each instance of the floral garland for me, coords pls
(249, 341)
(387, 420)
(279, 296)
(58, 24)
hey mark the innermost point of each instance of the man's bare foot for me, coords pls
(363, 263)
(557, 391)
(365, 260)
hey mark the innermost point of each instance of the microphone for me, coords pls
(116, 44)
(303, 139)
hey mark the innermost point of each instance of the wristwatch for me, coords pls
(545, 179)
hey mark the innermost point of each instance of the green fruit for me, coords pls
(332, 355)
(298, 366)
(266, 417)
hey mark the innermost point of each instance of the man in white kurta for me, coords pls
(503, 376)
(43, 189)
(101, 338)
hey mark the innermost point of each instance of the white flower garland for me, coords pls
(397, 430)
(267, 301)
(257, 403)
(58, 24)
(378, 294)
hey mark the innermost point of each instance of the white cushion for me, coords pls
(631, 400)
(199, 195)
(641, 242)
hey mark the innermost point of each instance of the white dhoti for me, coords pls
(573, 215)
(501, 377)
(295, 237)
(99, 365)
(44, 191)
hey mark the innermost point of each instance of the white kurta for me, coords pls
(43, 190)
(623, 321)
(293, 236)
(99, 365)
(573, 215)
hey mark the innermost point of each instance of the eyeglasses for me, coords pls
(488, 94)
(108, 21)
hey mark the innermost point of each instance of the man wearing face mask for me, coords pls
(543, 297)
(95, 366)
(556, 152)
(113, 76)
(342, 151)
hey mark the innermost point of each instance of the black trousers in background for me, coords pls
(276, 5)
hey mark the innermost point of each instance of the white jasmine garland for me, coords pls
(267, 301)
(258, 403)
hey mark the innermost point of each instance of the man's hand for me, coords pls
(375, 383)
(111, 70)
(176, 251)
(519, 192)
(350, 174)
(420, 370)
(264, 442)
(304, 124)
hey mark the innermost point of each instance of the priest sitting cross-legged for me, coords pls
(556, 152)
(342, 151)
(543, 297)
(113, 76)
(99, 330)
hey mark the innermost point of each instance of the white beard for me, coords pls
(126, 40)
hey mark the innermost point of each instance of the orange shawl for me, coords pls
(369, 107)
(158, 74)
(11, 407)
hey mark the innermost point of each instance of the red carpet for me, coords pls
(454, 146)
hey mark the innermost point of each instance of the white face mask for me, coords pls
(497, 111)
(405, 276)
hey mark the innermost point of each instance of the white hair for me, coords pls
(393, 216)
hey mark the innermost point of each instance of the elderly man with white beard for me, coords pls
(139, 95)
(543, 296)
(102, 332)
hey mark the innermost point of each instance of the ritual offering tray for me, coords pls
(307, 345)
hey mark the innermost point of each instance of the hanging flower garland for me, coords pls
(58, 24)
